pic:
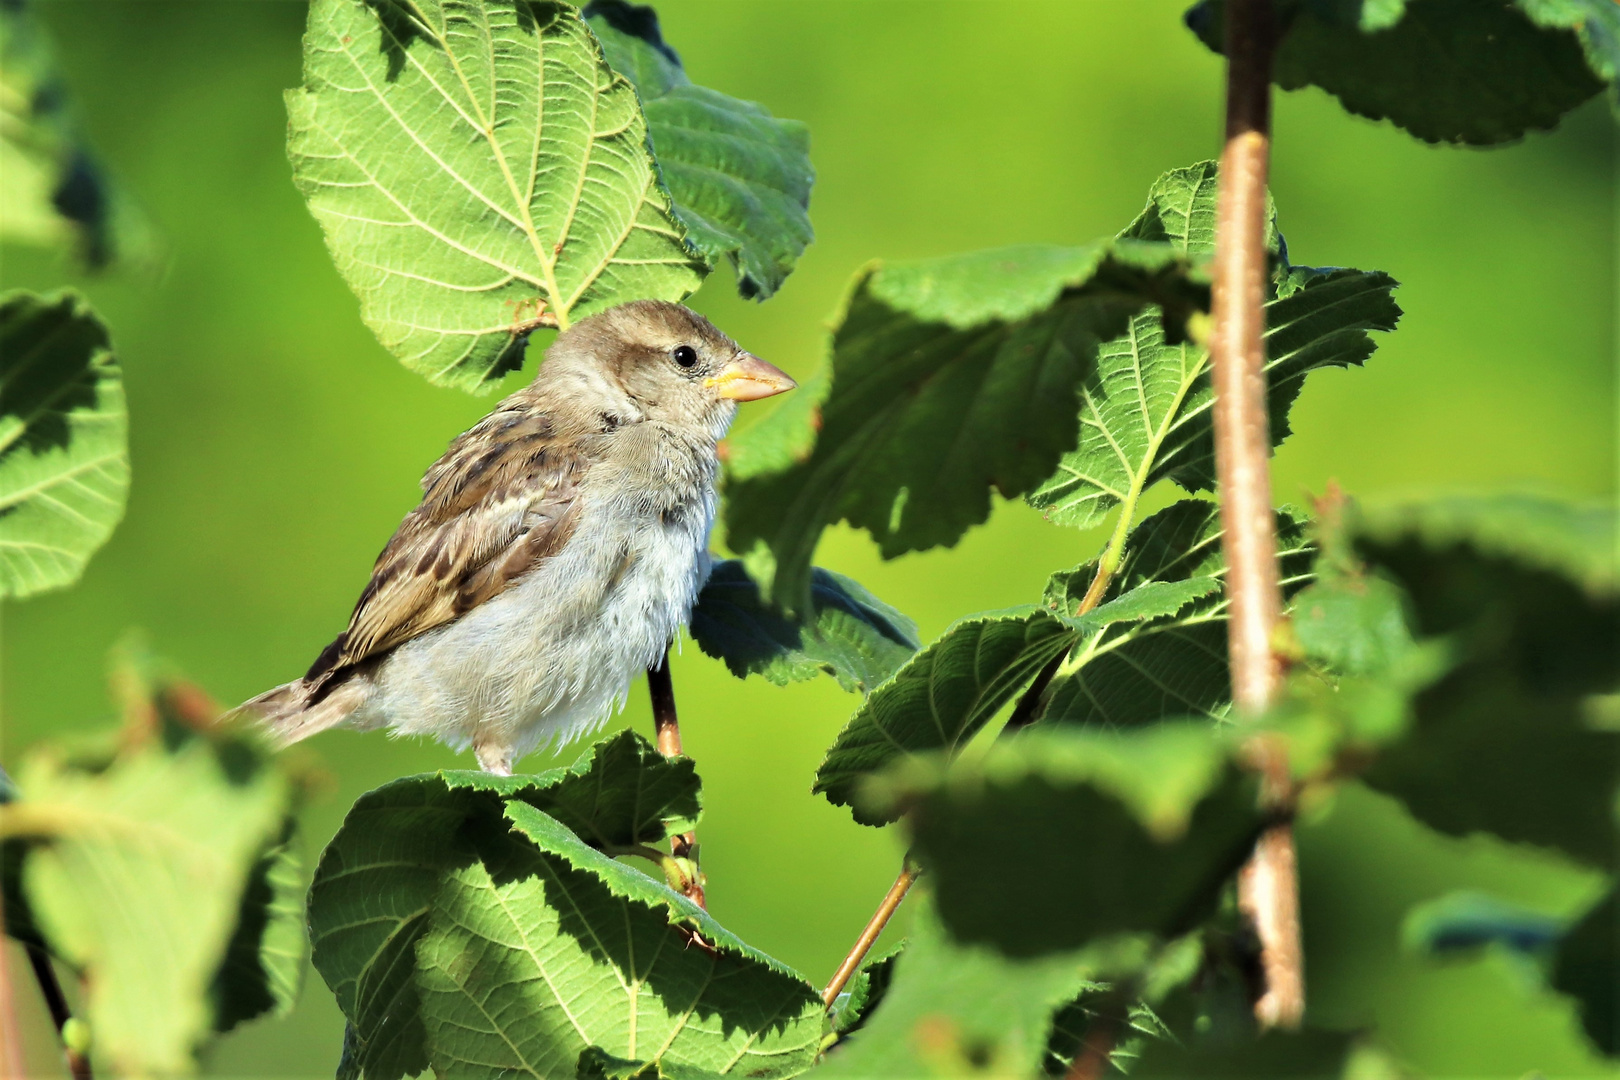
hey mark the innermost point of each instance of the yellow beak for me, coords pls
(748, 378)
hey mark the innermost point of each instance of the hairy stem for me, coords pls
(874, 926)
(1268, 886)
(667, 730)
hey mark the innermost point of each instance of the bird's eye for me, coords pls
(685, 355)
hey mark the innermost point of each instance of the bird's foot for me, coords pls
(493, 757)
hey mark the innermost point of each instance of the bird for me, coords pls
(558, 548)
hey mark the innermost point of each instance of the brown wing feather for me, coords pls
(502, 498)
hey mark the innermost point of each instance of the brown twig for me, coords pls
(874, 926)
(50, 988)
(1267, 885)
(1092, 1060)
(667, 732)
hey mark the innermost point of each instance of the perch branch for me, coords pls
(874, 926)
(1267, 885)
(667, 730)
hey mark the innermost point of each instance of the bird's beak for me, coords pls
(748, 378)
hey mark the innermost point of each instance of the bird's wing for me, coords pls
(503, 497)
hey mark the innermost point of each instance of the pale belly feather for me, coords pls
(551, 659)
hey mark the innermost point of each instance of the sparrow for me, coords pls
(558, 548)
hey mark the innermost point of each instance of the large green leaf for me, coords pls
(463, 926)
(948, 377)
(53, 191)
(1587, 967)
(846, 632)
(958, 1010)
(478, 166)
(1461, 71)
(1525, 595)
(158, 872)
(1145, 411)
(1158, 648)
(940, 699)
(1059, 837)
(64, 442)
(740, 178)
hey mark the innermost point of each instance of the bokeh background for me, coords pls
(276, 444)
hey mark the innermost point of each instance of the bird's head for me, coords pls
(671, 363)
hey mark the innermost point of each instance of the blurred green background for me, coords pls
(276, 445)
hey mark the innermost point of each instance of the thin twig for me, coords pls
(1268, 887)
(874, 926)
(667, 731)
(50, 988)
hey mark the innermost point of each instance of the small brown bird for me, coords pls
(559, 546)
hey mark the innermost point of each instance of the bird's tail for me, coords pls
(288, 716)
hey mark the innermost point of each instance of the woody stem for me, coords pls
(1268, 885)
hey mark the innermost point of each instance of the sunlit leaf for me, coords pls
(940, 698)
(53, 191)
(159, 871)
(1158, 648)
(949, 378)
(1145, 412)
(739, 178)
(476, 167)
(846, 632)
(64, 443)
(463, 926)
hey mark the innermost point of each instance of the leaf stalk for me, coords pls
(1268, 885)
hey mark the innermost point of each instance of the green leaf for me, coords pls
(1587, 967)
(1465, 921)
(622, 791)
(1146, 825)
(137, 873)
(1159, 648)
(459, 922)
(53, 191)
(64, 442)
(1457, 71)
(853, 1009)
(939, 699)
(1595, 22)
(1311, 1054)
(846, 632)
(263, 969)
(1522, 593)
(1146, 410)
(948, 377)
(957, 1010)
(740, 178)
(474, 167)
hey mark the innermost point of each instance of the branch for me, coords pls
(667, 734)
(50, 988)
(909, 873)
(1268, 885)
